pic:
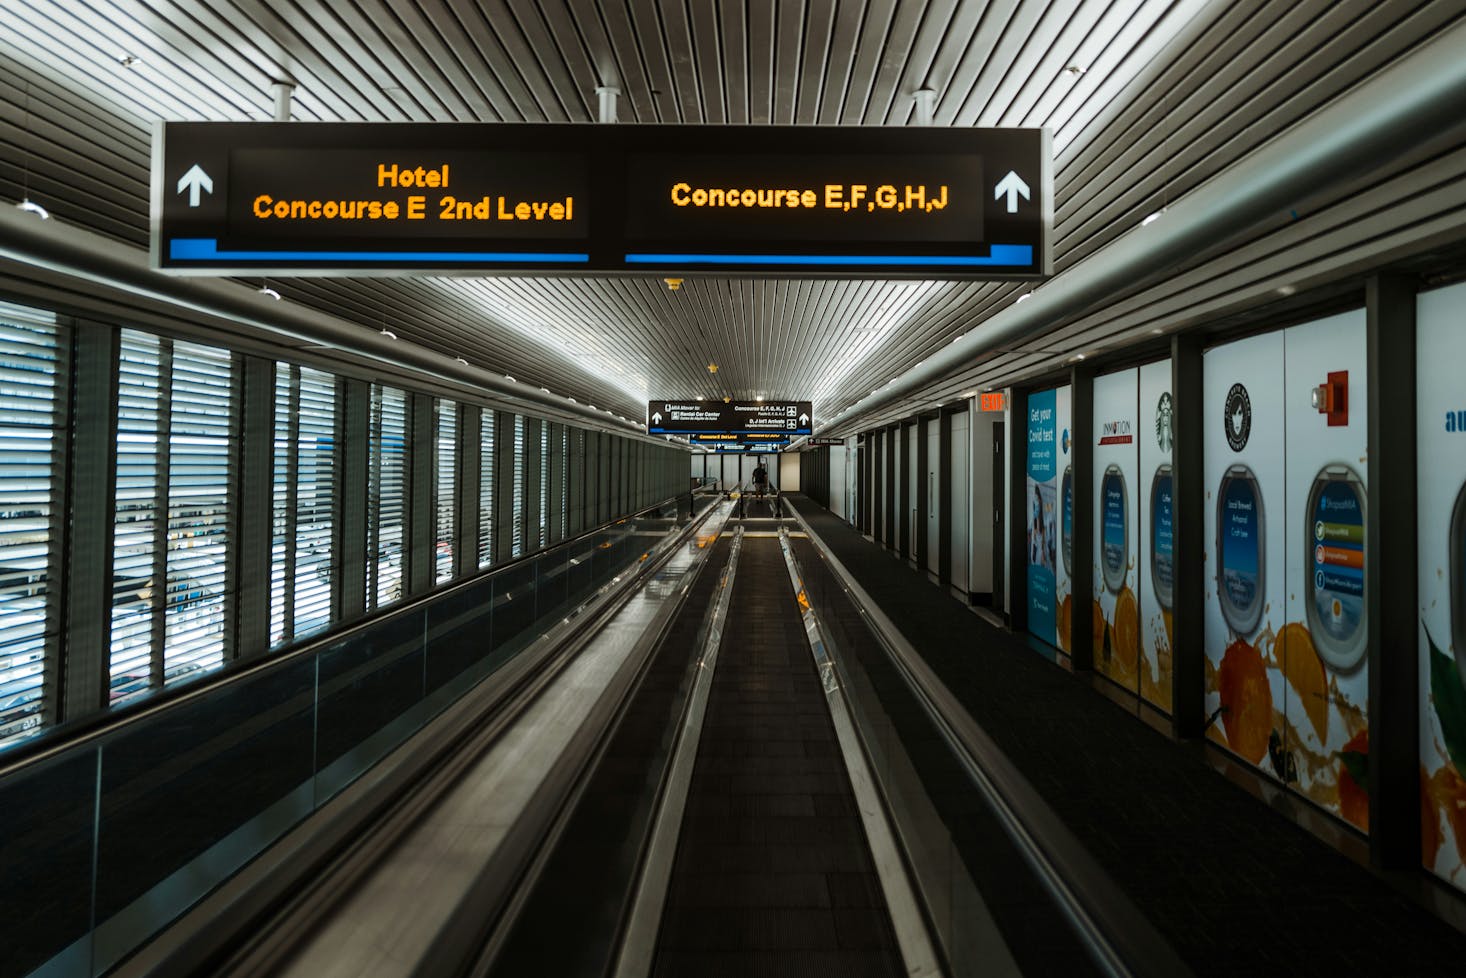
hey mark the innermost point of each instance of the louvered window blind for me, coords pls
(29, 353)
(517, 543)
(486, 489)
(446, 518)
(386, 495)
(304, 502)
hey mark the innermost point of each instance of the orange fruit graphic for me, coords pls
(1125, 633)
(1449, 793)
(1353, 799)
(1247, 700)
(1430, 823)
(1293, 649)
(1066, 613)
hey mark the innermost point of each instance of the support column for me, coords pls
(1081, 577)
(253, 523)
(353, 443)
(422, 502)
(1017, 524)
(1390, 576)
(1188, 515)
(503, 487)
(470, 472)
(944, 500)
(81, 675)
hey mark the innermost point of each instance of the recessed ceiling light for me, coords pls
(129, 61)
(389, 334)
(1074, 70)
(1022, 297)
(1288, 290)
(510, 379)
(266, 290)
(31, 207)
(1152, 217)
(460, 360)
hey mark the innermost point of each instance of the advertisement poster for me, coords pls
(1244, 456)
(1286, 631)
(1321, 645)
(1155, 570)
(1441, 485)
(1116, 528)
(1048, 476)
(1041, 506)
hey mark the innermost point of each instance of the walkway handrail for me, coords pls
(1119, 937)
(66, 737)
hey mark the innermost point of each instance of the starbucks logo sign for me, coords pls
(1163, 422)
(1237, 417)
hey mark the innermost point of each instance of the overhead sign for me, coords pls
(992, 401)
(743, 448)
(749, 418)
(824, 442)
(762, 437)
(388, 198)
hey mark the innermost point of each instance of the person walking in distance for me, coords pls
(760, 480)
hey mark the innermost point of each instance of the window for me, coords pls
(517, 543)
(446, 473)
(29, 352)
(544, 483)
(486, 489)
(564, 482)
(170, 537)
(386, 496)
(304, 502)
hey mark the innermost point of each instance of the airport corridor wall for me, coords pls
(1291, 615)
(172, 506)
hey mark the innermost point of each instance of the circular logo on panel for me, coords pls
(1163, 422)
(1064, 441)
(1237, 417)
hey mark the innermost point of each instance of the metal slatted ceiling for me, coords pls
(1172, 92)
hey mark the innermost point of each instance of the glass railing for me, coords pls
(996, 898)
(108, 838)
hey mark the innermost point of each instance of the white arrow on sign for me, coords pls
(657, 417)
(804, 419)
(1013, 186)
(193, 181)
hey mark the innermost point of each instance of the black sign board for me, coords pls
(748, 418)
(398, 198)
(744, 448)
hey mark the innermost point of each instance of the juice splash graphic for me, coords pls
(1247, 700)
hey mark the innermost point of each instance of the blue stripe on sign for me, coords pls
(207, 249)
(999, 254)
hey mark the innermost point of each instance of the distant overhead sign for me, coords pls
(759, 437)
(824, 442)
(395, 198)
(743, 448)
(751, 419)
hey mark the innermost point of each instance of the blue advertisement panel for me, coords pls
(1042, 515)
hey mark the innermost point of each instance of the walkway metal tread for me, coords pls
(773, 874)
